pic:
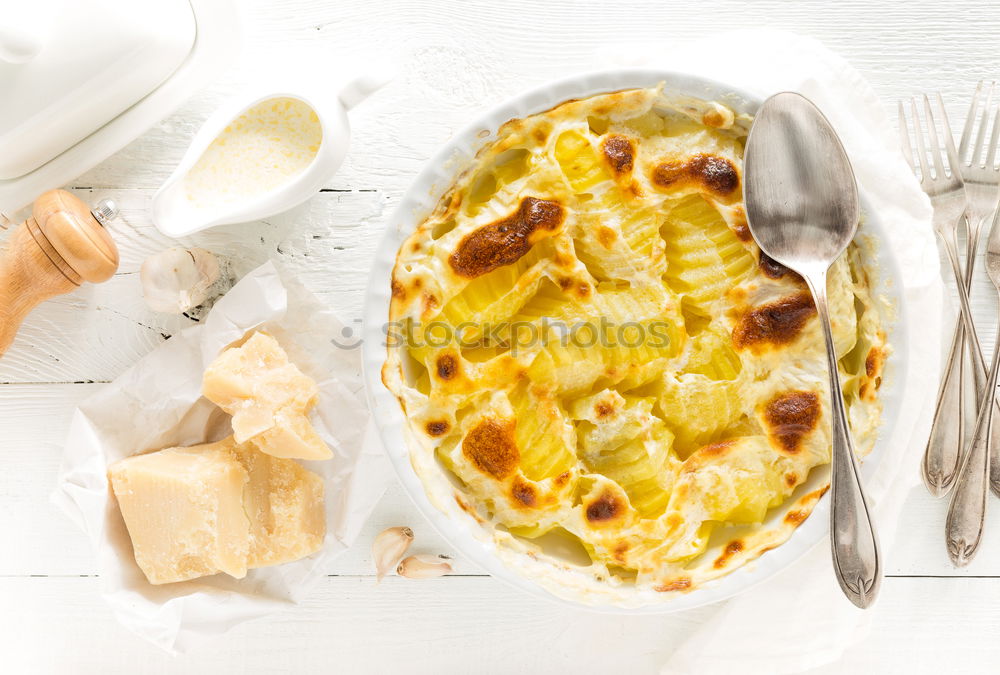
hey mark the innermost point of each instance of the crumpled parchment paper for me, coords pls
(157, 403)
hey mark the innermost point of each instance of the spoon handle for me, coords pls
(856, 559)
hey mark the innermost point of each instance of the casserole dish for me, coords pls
(467, 533)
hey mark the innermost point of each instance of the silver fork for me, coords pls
(949, 199)
(967, 512)
(981, 178)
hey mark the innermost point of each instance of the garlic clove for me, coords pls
(424, 566)
(178, 279)
(388, 547)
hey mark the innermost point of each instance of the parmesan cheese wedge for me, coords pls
(268, 397)
(218, 507)
(183, 508)
(284, 503)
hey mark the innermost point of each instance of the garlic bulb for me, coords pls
(177, 279)
(388, 547)
(424, 566)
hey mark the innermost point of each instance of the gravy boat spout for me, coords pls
(264, 152)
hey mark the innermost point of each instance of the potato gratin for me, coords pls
(587, 339)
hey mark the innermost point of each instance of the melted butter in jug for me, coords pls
(260, 150)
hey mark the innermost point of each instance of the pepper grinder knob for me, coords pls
(105, 211)
(62, 245)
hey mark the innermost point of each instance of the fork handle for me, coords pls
(947, 438)
(946, 444)
(978, 364)
(995, 451)
(995, 443)
(967, 512)
(972, 247)
(994, 429)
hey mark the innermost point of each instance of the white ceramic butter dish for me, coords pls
(82, 79)
(266, 151)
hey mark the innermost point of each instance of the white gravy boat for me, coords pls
(176, 213)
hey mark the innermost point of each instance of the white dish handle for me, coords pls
(360, 88)
(18, 44)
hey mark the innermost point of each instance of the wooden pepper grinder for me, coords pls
(61, 245)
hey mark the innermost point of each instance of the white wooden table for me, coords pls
(455, 58)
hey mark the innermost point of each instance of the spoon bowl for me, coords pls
(802, 199)
(802, 209)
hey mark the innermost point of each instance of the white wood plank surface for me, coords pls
(469, 625)
(454, 59)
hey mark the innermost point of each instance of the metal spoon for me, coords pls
(802, 208)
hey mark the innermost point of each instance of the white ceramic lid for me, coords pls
(68, 67)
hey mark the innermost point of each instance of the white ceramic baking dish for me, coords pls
(461, 530)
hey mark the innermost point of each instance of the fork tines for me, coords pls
(926, 143)
(979, 155)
